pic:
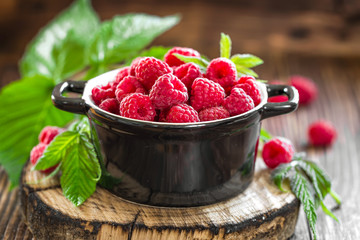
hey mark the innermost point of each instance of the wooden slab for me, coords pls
(262, 211)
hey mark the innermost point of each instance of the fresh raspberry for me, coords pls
(167, 91)
(249, 85)
(171, 60)
(322, 133)
(36, 153)
(100, 93)
(238, 102)
(213, 113)
(134, 64)
(123, 72)
(187, 73)
(276, 151)
(137, 106)
(206, 93)
(306, 88)
(182, 113)
(48, 133)
(222, 71)
(111, 105)
(280, 98)
(149, 69)
(128, 85)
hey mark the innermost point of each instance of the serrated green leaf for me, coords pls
(201, 62)
(328, 211)
(25, 108)
(311, 174)
(280, 173)
(265, 135)
(80, 171)
(323, 180)
(246, 60)
(58, 49)
(225, 46)
(56, 150)
(124, 36)
(245, 71)
(300, 187)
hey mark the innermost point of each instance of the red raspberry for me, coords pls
(123, 72)
(170, 59)
(321, 133)
(222, 71)
(111, 105)
(276, 151)
(205, 94)
(306, 88)
(149, 69)
(248, 84)
(182, 113)
(127, 86)
(36, 153)
(238, 102)
(134, 64)
(100, 93)
(137, 106)
(48, 133)
(213, 113)
(167, 91)
(187, 73)
(280, 98)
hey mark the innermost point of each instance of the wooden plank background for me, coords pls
(318, 39)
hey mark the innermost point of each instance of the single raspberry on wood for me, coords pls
(213, 113)
(137, 106)
(306, 87)
(111, 105)
(248, 84)
(149, 69)
(123, 72)
(172, 60)
(100, 93)
(187, 73)
(36, 153)
(128, 85)
(167, 91)
(48, 133)
(222, 71)
(182, 113)
(322, 133)
(276, 151)
(206, 93)
(238, 102)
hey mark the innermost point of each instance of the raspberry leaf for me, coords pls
(245, 71)
(25, 108)
(58, 51)
(201, 62)
(225, 46)
(123, 38)
(280, 173)
(246, 60)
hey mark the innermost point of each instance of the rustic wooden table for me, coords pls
(319, 44)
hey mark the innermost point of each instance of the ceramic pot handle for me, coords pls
(274, 109)
(69, 104)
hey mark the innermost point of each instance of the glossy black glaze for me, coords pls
(176, 164)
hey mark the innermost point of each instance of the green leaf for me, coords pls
(25, 108)
(246, 60)
(156, 52)
(124, 36)
(265, 135)
(245, 71)
(311, 174)
(280, 173)
(225, 46)
(80, 170)
(300, 187)
(58, 50)
(328, 212)
(201, 62)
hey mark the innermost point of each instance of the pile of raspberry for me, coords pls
(177, 92)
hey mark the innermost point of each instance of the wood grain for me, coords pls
(261, 211)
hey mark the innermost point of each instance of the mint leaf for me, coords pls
(123, 37)
(80, 170)
(58, 50)
(300, 187)
(245, 71)
(225, 46)
(201, 62)
(246, 60)
(25, 108)
(265, 135)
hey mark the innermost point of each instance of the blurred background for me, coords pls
(329, 28)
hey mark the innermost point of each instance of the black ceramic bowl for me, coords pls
(168, 164)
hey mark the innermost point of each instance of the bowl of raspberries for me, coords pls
(173, 133)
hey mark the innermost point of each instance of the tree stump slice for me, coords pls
(260, 212)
